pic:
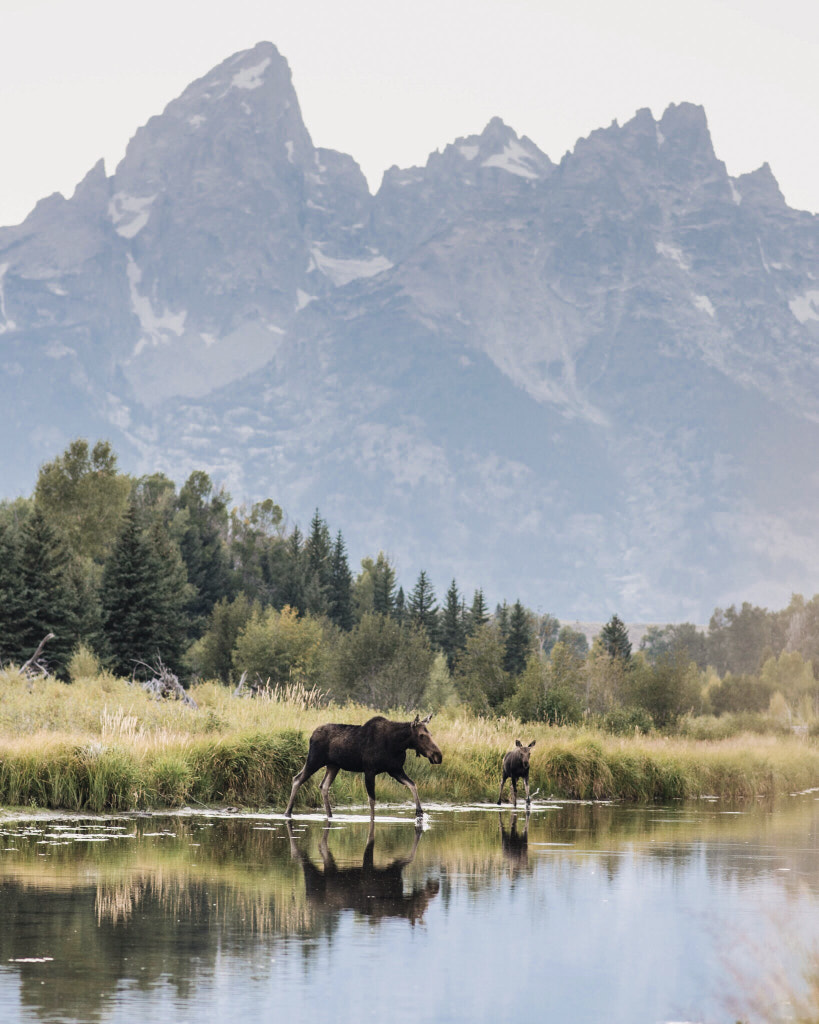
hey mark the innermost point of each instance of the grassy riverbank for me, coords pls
(101, 744)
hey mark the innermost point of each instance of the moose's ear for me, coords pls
(416, 721)
(532, 744)
(428, 719)
(518, 743)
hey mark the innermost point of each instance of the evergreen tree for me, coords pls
(502, 619)
(340, 594)
(172, 595)
(47, 595)
(422, 608)
(615, 641)
(452, 631)
(318, 566)
(291, 588)
(374, 587)
(518, 640)
(400, 610)
(11, 605)
(204, 518)
(383, 586)
(478, 613)
(132, 600)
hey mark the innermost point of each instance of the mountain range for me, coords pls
(591, 384)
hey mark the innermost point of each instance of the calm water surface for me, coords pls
(576, 913)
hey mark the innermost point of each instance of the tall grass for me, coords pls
(102, 744)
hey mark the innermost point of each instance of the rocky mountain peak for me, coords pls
(761, 188)
(539, 380)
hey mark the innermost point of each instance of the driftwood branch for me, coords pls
(34, 667)
(165, 685)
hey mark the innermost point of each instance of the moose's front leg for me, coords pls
(369, 782)
(402, 777)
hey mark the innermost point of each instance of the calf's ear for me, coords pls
(532, 744)
(518, 743)
(428, 719)
(416, 721)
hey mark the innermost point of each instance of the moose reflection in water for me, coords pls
(376, 892)
(514, 844)
(373, 748)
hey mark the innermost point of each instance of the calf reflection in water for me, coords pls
(376, 892)
(514, 844)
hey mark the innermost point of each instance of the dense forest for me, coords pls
(129, 573)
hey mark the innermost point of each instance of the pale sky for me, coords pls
(389, 82)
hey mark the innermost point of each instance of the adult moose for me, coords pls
(375, 747)
(516, 766)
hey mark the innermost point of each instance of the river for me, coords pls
(578, 913)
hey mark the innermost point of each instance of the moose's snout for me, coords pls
(436, 757)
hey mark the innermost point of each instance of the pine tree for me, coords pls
(614, 637)
(478, 613)
(340, 595)
(47, 596)
(318, 567)
(383, 586)
(131, 598)
(518, 640)
(400, 611)
(11, 606)
(502, 619)
(202, 546)
(452, 631)
(422, 608)
(291, 587)
(173, 594)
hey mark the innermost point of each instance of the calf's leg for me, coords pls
(500, 795)
(514, 791)
(526, 787)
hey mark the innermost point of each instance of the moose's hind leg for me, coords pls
(326, 782)
(298, 781)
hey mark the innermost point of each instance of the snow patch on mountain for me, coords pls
(805, 307)
(704, 304)
(6, 325)
(133, 210)
(154, 327)
(671, 252)
(252, 77)
(342, 271)
(514, 159)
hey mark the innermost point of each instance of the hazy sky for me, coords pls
(390, 82)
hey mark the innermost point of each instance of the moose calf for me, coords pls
(516, 766)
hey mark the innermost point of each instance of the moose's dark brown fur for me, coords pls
(516, 766)
(375, 747)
